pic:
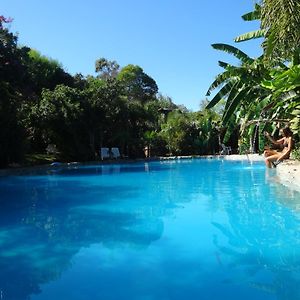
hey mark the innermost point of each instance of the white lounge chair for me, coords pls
(104, 153)
(115, 152)
(226, 150)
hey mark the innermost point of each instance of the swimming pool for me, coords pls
(182, 229)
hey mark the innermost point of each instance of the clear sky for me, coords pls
(170, 39)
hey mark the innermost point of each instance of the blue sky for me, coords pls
(170, 39)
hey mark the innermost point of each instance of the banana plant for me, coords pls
(252, 16)
(238, 85)
(267, 87)
(279, 28)
(284, 86)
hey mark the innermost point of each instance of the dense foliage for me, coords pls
(263, 92)
(47, 113)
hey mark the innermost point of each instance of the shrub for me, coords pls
(296, 152)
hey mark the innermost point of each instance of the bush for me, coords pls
(296, 152)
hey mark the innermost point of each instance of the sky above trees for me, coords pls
(170, 39)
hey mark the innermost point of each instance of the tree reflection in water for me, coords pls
(46, 219)
(263, 236)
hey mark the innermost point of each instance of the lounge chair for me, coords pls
(104, 153)
(226, 150)
(115, 152)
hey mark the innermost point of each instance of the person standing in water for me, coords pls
(274, 157)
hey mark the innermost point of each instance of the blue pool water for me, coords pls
(190, 229)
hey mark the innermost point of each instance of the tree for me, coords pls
(44, 72)
(281, 21)
(12, 83)
(106, 69)
(137, 84)
(257, 89)
(59, 116)
(284, 86)
(102, 111)
(239, 85)
(188, 133)
(252, 16)
(280, 29)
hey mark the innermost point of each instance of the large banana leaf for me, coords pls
(269, 43)
(220, 95)
(253, 15)
(295, 122)
(223, 64)
(234, 51)
(235, 103)
(260, 33)
(236, 88)
(220, 80)
(284, 81)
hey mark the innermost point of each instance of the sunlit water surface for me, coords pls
(190, 229)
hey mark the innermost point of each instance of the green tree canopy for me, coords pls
(45, 72)
(106, 69)
(137, 84)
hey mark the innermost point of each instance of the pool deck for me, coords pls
(248, 157)
(288, 173)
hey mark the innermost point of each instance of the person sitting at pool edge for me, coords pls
(274, 157)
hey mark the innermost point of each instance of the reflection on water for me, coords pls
(263, 237)
(192, 229)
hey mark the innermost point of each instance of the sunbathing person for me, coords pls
(274, 157)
